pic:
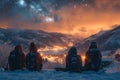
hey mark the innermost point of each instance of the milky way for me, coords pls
(81, 17)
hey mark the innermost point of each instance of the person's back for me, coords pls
(33, 59)
(73, 61)
(16, 59)
(93, 58)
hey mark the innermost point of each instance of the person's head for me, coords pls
(18, 47)
(93, 45)
(33, 47)
(72, 51)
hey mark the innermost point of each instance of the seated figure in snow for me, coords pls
(16, 59)
(73, 61)
(33, 59)
(93, 58)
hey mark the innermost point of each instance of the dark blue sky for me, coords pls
(11, 8)
(77, 16)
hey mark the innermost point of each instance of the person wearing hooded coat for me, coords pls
(93, 58)
(33, 59)
(72, 53)
(16, 59)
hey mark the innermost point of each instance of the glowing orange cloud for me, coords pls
(83, 22)
(78, 20)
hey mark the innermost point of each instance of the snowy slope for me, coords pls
(50, 39)
(106, 40)
(42, 39)
(54, 75)
(48, 43)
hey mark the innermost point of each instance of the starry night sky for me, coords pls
(66, 16)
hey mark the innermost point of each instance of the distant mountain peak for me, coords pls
(106, 40)
(42, 38)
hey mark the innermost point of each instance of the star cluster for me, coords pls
(78, 16)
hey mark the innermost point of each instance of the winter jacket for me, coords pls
(90, 59)
(36, 63)
(72, 52)
(17, 62)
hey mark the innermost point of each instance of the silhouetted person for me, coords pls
(16, 59)
(93, 58)
(73, 61)
(33, 59)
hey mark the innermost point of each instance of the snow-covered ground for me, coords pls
(109, 73)
(54, 75)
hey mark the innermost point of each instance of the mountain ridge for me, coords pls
(106, 40)
(41, 38)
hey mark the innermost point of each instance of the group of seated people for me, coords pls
(34, 62)
(92, 61)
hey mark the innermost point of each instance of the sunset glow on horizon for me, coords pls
(77, 17)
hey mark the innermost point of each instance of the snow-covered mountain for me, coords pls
(41, 38)
(106, 40)
(48, 43)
